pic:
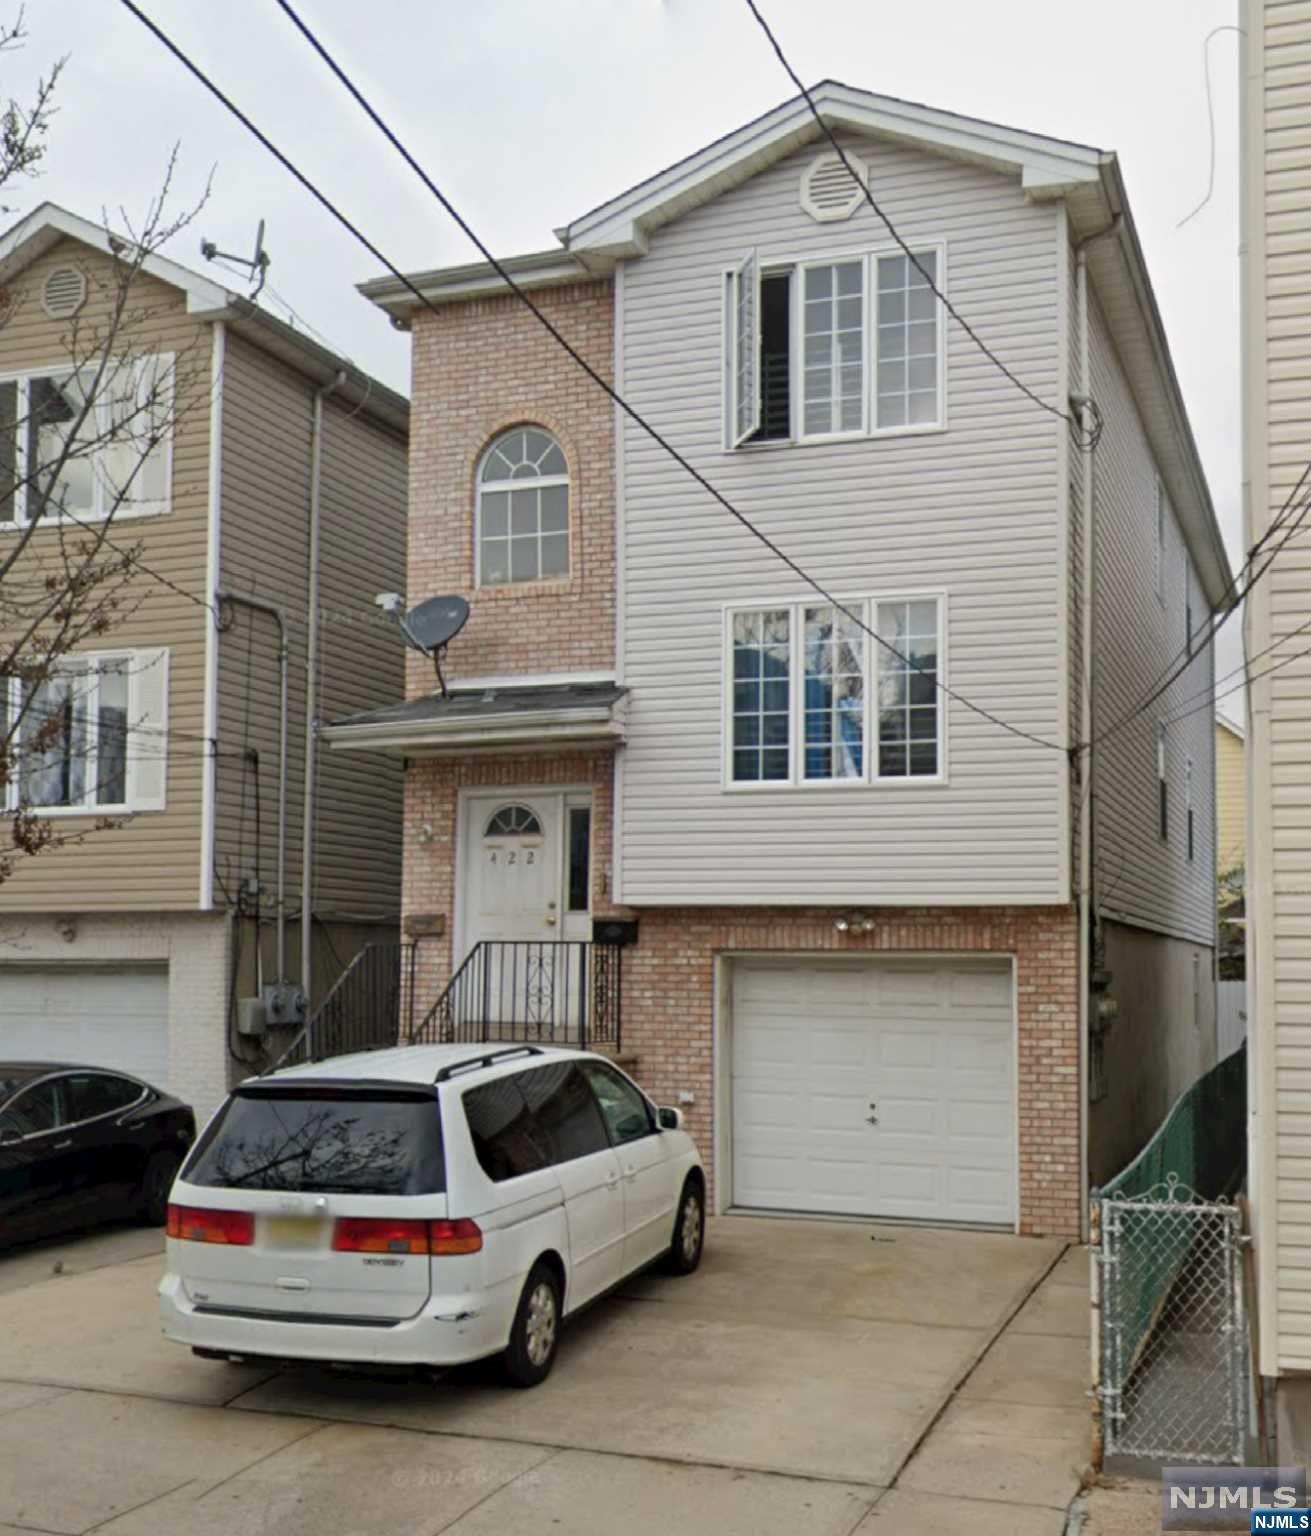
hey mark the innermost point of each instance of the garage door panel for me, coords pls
(929, 1043)
(113, 1017)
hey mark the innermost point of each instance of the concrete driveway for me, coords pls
(812, 1376)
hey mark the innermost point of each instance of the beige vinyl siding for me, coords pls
(1139, 878)
(265, 552)
(1231, 800)
(152, 862)
(973, 512)
(1278, 327)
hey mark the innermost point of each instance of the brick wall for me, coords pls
(432, 790)
(669, 977)
(668, 1015)
(480, 367)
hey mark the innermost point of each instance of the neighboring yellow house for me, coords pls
(1230, 797)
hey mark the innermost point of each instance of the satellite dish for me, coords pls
(432, 626)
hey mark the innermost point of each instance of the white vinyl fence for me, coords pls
(1231, 1017)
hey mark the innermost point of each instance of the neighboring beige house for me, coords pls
(1230, 796)
(134, 947)
(1276, 289)
(864, 919)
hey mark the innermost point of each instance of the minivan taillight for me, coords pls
(194, 1224)
(462, 1236)
(374, 1234)
(380, 1234)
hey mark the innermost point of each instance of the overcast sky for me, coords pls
(528, 114)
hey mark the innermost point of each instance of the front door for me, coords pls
(526, 882)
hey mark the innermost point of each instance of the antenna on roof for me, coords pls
(430, 627)
(257, 265)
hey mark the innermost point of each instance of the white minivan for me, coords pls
(426, 1205)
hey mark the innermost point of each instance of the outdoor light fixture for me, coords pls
(425, 832)
(854, 922)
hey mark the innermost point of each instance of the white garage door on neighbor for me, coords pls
(875, 1088)
(92, 1016)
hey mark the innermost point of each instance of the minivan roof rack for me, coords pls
(490, 1059)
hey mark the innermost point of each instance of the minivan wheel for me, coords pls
(535, 1334)
(156, 1183)
(689, 1228)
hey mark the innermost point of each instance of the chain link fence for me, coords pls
(1171, 1349)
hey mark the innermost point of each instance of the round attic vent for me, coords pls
(829, 191)
(64, 293)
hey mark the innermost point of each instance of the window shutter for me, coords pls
(746, 349)
(147, 740)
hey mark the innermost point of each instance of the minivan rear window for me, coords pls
(326, 1142)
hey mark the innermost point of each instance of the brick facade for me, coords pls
(480, 367)
(669, 977)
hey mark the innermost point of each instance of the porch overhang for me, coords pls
(539, 717)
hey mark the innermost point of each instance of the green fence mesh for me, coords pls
(1198, 1152)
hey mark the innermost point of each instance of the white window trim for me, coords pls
(866, 608)
(128, 807)
(166, 365)
(772, 266)
(536, 483)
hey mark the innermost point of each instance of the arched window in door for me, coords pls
(513, 821)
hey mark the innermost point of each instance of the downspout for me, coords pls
(1087, 903)
(213, 553)
(279, 614)
(311, 687)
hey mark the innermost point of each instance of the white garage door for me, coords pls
(100, 1017)
(883, 1088)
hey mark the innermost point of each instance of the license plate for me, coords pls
(293, 1231)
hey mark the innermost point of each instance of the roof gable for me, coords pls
(1046, 167)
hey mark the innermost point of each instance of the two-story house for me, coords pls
(871, 875)
(1276, 300)
(277, 491)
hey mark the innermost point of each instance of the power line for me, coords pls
(1210, 117)
(1176, 672)
(630, 411)
(1087, 440)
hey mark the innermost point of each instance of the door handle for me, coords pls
(630, 1174)
(550, 922)
(872, 1118)
(612, 1182)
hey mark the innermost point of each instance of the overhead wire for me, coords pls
(545, 321)
(1086, 438)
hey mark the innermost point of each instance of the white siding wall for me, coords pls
(1277, 298)
(1140, 878)
(974, 511)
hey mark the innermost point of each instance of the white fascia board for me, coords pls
(446, 285)
(422, 737)
(23, 242)
(619, 227)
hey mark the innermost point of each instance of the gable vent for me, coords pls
(64, 293)
(829, 191)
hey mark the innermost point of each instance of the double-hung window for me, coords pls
(87, 448)
(91, 737)
(813, 697)
(841, 347)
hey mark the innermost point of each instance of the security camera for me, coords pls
(390, 602)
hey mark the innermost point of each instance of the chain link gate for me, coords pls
(1170, 1334)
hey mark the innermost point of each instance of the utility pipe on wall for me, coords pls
(311, 686)
(279, 614)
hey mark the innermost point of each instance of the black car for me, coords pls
(78, 1144)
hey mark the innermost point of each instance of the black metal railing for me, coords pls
(558, 991)
(362, 1011)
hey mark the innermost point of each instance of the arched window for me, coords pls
(513, 821)
(523, 509)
